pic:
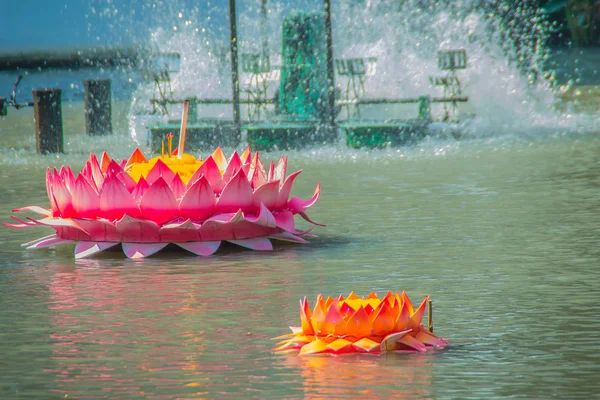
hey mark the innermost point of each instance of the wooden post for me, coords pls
(98, 113)
(330, 73)
(429, 315)
(47, 114)
(235, 81)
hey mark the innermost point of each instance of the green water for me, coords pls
(503, 232)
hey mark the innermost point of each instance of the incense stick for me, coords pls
(181, 147)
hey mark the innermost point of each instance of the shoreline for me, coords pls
(73, 58)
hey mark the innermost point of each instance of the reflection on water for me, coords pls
(390, 376)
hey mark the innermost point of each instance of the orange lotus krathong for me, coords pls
(146, 204)
(359, 325)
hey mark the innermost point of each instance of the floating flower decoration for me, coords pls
(146, 204)
(359, 325)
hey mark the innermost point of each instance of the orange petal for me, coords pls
(389, 296)
(406, 300)
(328, 302)
(340, 346)
(334, 321)
(352, 296)
(412, 342)
(341, 298)
(105, 161)
(372, 296)
(403, 319)
(346, 310)
(383, 324)
(305, 316)
(417, 316)
(136, 157)
(358, 324)
(390, 342)
(366, 345)
(319, 314)
(430, 339)
(394, 309)
(318, 346)
(245, 155)
(219, 158)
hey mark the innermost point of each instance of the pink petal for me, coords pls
(16, 226)
(266, 194)
(49, 183)
(66, 174)
(236, 195)
(97, 175)
(185, 231)
(86, 249)
(198, 203)
(259, 243)
(264, 218)
(158, 203)
(258, 174)
(116, 201)
(307, 218)
(160, 169)
(86, 201)
(211, 172)
(138, 230)
(38, 240)
(297, 205)
(127, 180)
(86, 172)
(141, 250)
(62, 196)
(100, 230)
(271, 175)
(200, 248)
(112, 169)
(29, 223)
(139, 189)
(280, 169)
(246, 156)
(285, 221)
(288, 237)
(177, 186)
(53, 241)
(235, 163)
(66, 228)
(285, 191)
(36, 209)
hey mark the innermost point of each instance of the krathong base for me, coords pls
(360, 325)
(147, 205)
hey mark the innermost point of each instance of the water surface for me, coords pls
(502, 232)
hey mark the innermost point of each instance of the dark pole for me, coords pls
(97, 106)
(47, 115)
(330, 77)
(235, 82)
(263, 27)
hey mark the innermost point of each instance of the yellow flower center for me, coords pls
(357, 303)
(185, 166)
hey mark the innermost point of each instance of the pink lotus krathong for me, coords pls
(144, 205)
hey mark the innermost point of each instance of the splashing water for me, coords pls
(505, 80)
